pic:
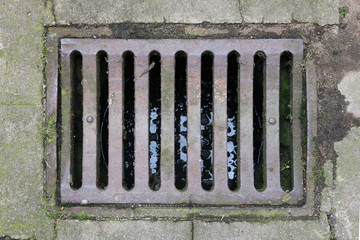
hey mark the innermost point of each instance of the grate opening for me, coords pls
(233, 69)
(129, 119)
(207, 144)
(286, 115)
(102, 69)
(154, 119)
(259, 83)
(180, 120)
(76, 119)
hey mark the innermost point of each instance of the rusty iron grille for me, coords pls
(193, 192)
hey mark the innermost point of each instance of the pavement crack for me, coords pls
(240, 11)
(192, 230)
(52, 9)
(55, 230)
(331, 222)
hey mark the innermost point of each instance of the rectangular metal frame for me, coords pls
(194, 193)
(225, 199)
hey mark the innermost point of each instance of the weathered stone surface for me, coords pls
(21, 175)
(259, 11)
(347, 193)
(317, 11)
(201, 31)
(137, 230)
(272, 230)
(326, 199)
(108, 11)
(346, 87)
(21, 147)
(195, 11)
(21, 30)
(328, 173)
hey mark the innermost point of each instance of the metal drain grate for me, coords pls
(166, 192)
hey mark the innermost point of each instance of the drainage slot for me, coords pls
(180, 120)
(154, 120)
(258, 120)
(232, 119)
(76, 119)
(129, 119)
(102, 71)
(286, 95)
(207, 146)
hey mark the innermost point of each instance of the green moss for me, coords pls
(81, 216)
(50, 130)
(343, 11)
(287, 197)
(44, 51)
(63, 92)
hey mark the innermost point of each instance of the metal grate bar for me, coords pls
(194, 86)
(297, 106)
(246, 132)
(115, 101)
(220, 124)
(66, 121)
(167, 123)
(141, 122)
(272, 128)
(90, 128)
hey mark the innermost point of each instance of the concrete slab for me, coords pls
(21, 30)
(328, 173)
(348, 84)
(347, 193)
(255, 230)
(108, 11)
(21, 175)
(259, 11)
(321, 11)
(137, 230)
(196, 11)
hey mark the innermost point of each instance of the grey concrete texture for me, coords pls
(347, 193)
(22, 213)
(129, 230)
(196, 11)
(21, 175)
(21, 29)
(274, 230)
(346, 203)
(21, 144)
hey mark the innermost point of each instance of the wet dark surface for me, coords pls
(129, 120)
(103, 119)
(154, 120)
(207, 145)
(232, 119)
(258, 123)
(180, 120)
(286, 161)
(76, 120)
